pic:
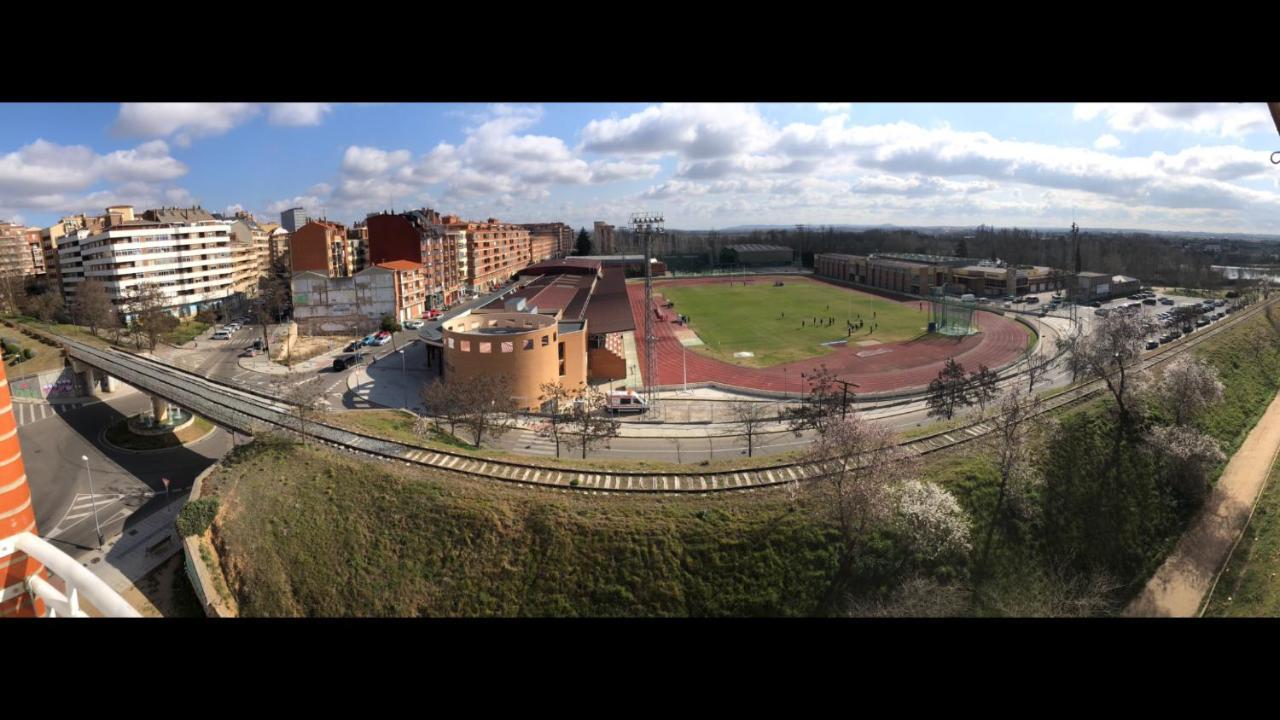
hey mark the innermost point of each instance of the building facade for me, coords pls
(549, 241)
(325, 305)
(191, 262)
(603, 240)
(916, 274)
(754, 254)
(321, 246)
(293, 218)
(496, 251)
(410, 288)
(417, 236)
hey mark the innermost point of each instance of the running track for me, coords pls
(1000, 342)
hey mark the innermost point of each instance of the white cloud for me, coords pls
(1106, 142)
(297, 114)
(48, 176)
(697, 132)
(368, 161)
(1222, 119)
(830, 108)
(184, 121)
(610, 171)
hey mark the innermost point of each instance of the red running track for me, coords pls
(999, 342)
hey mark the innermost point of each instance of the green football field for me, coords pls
(766, 320)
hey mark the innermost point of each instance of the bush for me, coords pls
(27, 354)
(390, 324)
(197, 516)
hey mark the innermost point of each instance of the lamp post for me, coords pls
(93, 499)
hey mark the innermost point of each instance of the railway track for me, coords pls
(251, 411)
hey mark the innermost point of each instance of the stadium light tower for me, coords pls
(645, 225)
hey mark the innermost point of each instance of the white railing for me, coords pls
(79, 581)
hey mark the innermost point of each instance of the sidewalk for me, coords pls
(1179, 587)
(127, 559)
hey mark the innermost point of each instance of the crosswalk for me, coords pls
(28, 413)
(111, 507)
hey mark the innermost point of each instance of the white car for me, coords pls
(382, 340)
(413, 324)
(222, 335)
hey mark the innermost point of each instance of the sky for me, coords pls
(1181, 167)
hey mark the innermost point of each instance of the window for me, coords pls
(466, 346)
(486, 347)
(508, 347)
(528, 344)
(545, 341)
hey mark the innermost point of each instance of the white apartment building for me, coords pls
(192, 262)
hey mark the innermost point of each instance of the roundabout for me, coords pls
(142, 434)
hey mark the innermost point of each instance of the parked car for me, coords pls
(343, 362)
(1096, 304)
(249, 352)
(221, 335)
(1202, 321)
(1166, 301)
(354, 346)
(1100, 312)
(625, 401)
(383, 333)
(1032, 299)
(383, 340)
(369, 340)
(412, 324)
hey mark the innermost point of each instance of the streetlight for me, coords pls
(93, 499)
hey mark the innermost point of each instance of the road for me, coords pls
(127, 487)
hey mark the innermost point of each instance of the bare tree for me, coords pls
(444, 402)
(305, 398)
(146, 303)
(949, 391)
(45, 306)
(272, 301)
(589, 423)
(488, 410)
(557, 402)
(917, 596)
(1187, 387)
(1010, 444)
(1039, 364)
(983, 381)
(1071, 348)
(92, 306)
(749, 417)
(825, 403)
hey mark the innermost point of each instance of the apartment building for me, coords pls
(410, 288)
(418, 237)
(187, 256)
(549, 241)
(321, 246)
(603, 240)
(496, 251)
(16, 258)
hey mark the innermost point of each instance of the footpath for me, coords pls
(1179, 587)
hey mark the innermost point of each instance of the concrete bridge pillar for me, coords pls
(160, 408)
(108, 383)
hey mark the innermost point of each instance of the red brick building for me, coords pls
(549, 241)
(417, 236)
(322, 247)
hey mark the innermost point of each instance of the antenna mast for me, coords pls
(645, 225)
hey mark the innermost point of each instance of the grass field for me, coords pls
(766, 320)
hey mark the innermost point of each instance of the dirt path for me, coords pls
(1179, 586)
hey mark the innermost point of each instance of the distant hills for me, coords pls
(950, 229)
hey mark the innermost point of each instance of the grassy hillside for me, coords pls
(306, 532)
(1250, 585)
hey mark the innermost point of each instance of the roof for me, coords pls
(752, 247)
(610, 309)
(400, 265)
(572, 266)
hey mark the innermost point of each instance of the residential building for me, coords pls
(37, 253)
(293, 218)
(190, 259)
(15, 251)
(410, 288)
(549, 241)
(603, 241)
(323, 247)
(326, 305)
(359, 237)
(417, 236)
(277, 247)
(496, 251)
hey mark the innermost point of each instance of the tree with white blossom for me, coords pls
(1188, 387)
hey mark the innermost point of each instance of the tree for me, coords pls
(1188, 387)
(557, 402)
(273, 300)
(589, 424)
(949, 391)
(1113, 352)
(1187, 455)
(45, 306)
(444, 401)
(824, 404)
(92, 306)
(1011, 447)
(583, 245)
(1071, 348)
(390, 324)
(863, 466)
(983, 381)
(930, 522)
(1039, 363)
(487, 407)
(962, 248)
(749, 416)
(146, 303)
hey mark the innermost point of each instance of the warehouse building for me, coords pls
(768, 255)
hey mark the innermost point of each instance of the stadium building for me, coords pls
(773, 255)
(917, 274)
(566, 322)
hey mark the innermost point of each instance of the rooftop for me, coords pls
(401, 265)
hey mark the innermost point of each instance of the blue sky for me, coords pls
(1166, 167)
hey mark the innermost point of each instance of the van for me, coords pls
(625, 401)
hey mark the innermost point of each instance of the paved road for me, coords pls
(127, 487)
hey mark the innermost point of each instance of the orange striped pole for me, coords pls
(16, 516)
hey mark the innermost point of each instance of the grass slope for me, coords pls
(1250, 585)
(306, 532)
(765, 320)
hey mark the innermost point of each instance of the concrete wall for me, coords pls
(54, 384)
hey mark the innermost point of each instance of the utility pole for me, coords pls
(844, 399)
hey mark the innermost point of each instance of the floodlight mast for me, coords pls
(646, 225)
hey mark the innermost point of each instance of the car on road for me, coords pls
(343, 362)
(625, 401)
(1201, 322)
(354, 346)
(369, 339)
(1032, 299)
(221, 335)
(1096, 304)
(249, 352)
(413, 324)
(1153, 344)
(1149, 301)
(383, 340)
